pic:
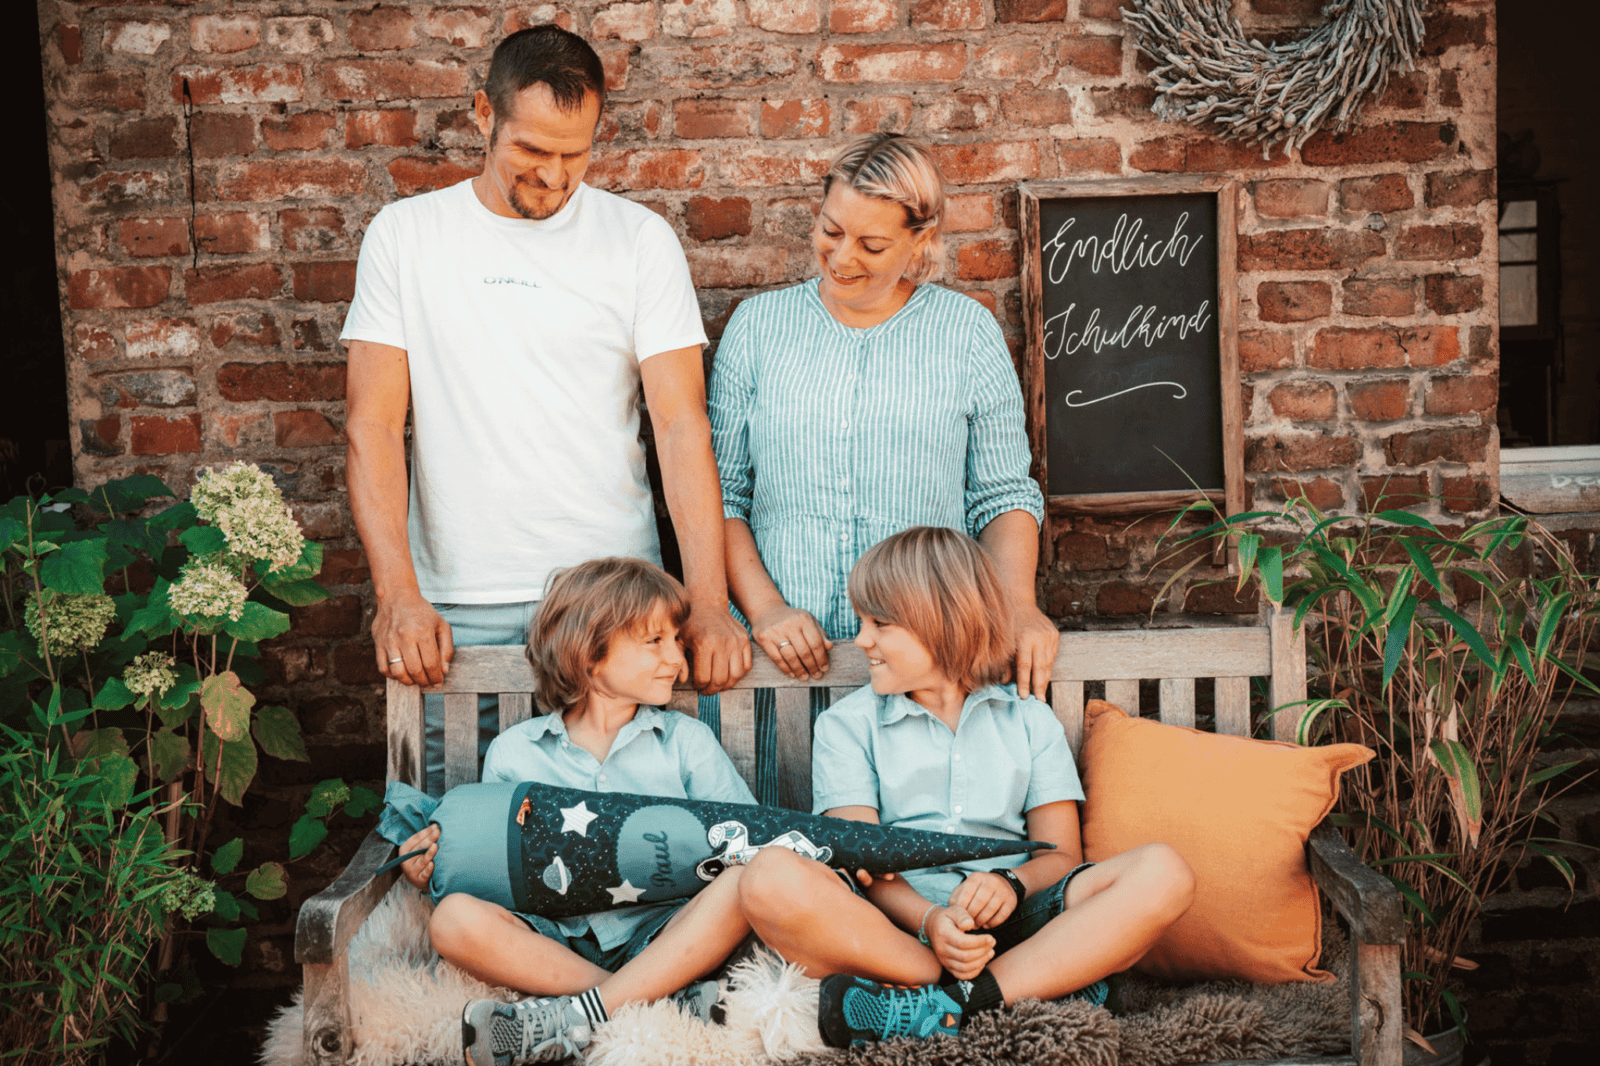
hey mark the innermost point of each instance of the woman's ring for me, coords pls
(399, 660)
(783, 643)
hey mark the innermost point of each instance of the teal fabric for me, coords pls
(1007, 756)
(829, 439)
(659, 753)
(476, 862)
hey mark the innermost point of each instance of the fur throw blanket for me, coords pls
(406, 1004)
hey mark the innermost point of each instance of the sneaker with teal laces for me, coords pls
(854, 1010)
(533, 1030)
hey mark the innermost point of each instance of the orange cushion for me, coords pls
(1239, 811)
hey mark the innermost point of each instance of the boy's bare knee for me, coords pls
(1172, 877)
(457, 920)
(768, 883)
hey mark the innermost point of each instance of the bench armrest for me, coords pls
(1365, 897)
(330, 918)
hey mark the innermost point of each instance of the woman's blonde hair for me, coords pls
(940, 585)
(583, 607)
(894, 167)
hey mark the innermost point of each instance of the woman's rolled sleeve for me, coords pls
(733, 396)
(997, 450)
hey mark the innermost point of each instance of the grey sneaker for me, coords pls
(534, 1030)
(700, 999)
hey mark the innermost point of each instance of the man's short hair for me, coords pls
(544, 55)
(941, 586)
(583, 608)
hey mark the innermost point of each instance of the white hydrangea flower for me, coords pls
(208, 589)
(247, 506)
(216, 489)
(189, 895)
(73, 621)
(150, 675)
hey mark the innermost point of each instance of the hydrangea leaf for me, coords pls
(155, 617)
(296, 593)
(257, 622)
(278, 732)
(78, 568)
(267, 881)
(233, 771)
(306, 833)
(363, 801)
(204, 540)
(169, 754)
(127, 493)
(227, 906)
(326, 796)
(11, 649)
(118, 775)
(227, 705)
(225, 859)
(309, 565)
(97, 742)
(113, 696)
(11, 531)
(227, 944)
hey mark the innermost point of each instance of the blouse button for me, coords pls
(957, 808)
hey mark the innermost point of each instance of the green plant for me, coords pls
(145, 628)
(1449, 654)
(85, 876)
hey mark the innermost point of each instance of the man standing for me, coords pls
(518, 315)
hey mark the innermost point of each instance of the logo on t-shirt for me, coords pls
(511, 281)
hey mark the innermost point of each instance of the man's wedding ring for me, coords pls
(783, 643)
(399, 660)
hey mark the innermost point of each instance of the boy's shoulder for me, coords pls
(861, 706)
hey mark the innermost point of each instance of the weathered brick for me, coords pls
(892, 63)
(1323, 493)
(1051, 108)
(1308, 249)
(709, 218)
(134, 38)
(382, 29)
(1466, 494)
(1179, 152)
(145, 138)
(1405, 92)
(1121, 599)
(1007, 58)
(101, 436)
(1380, 401)
(1465, 188)
(1453, 241)
(1339, 348)
(109, 287)
(699, 18)
(944, 113)
(391, 129)
(1121, 101)
(112, 90)
(802, 166)
(1089, 155)
(987, 163)
(648, 168)
(1295, 453)
(146, 388)
(1091, 54)
(299, 35)
(119, 188)
(162, 338)
(1291, 198)
(467, 27)
(1378, 297)
(1446, 29)
(877, 114)
(785, 16)
(1453, 294)
(862, 16)
(258, 329)
(281, 382)
(308, 336)
(968, 212)
(1391, 142)
(91, 343)
(1102, 9)
(948, 15)
(1220, 597)
(231, 234)
(1030, 10)
(224, 34)
(698, 120)
(414, 174)
(313, 230)
(1395, 491)
(267, 83)
(144, 237)
(337, 616)
(291, 179)
(1080, 551)
(211, 284)
(737, 268)
(344, 566)
(304, 132)
(1431, 345)
(355, 664)
(160, 435)
(395, 79)
(987, 260)
(325, 282)
(215, 135)
(1454, 444)
(1462, 395)
(304, 429)
(794, 118)
(1305, 401)
(1261, 349)
(1293, 301)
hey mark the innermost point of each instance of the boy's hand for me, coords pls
(959, 950)
(988, 897)
(419, 870)
(865, 879)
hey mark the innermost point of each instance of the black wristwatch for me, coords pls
(1016, 883)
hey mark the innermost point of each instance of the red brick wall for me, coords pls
(1367, 288)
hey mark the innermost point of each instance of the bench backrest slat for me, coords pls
(794, 748)
(1177, 701)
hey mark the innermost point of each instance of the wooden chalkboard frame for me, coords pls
(1030, 195)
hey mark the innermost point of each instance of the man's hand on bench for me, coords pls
(413, 641)
(717, 646)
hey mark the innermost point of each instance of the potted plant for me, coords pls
(1449, 654)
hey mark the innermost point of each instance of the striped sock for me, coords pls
(593, 1007)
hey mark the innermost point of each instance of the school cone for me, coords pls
(559, 852)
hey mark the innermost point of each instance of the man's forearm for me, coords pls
(375, 474)
(694, 500)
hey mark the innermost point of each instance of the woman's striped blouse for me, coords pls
(830, 438)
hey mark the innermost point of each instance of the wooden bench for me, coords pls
(1175, 658)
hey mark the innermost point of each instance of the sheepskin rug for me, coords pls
(406, 1003)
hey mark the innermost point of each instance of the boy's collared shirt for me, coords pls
(1007, 756)
(658, 753)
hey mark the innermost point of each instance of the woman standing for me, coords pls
(864, 402)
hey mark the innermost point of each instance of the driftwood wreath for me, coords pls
(1211, 72)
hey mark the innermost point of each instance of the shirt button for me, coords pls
(957, 808)
(949, 829)
(602, 779)
(845, 424)
(958, 756)
(844, 536)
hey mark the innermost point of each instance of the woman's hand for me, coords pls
(793, 639)
(959, 950)
(988, 897)
(419, 870)
(1037, 640)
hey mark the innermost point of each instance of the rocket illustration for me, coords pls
(559, 852)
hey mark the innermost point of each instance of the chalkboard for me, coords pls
(1131, 303)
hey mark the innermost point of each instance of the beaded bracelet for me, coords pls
(922, 926)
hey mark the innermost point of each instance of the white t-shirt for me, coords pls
(524, 340)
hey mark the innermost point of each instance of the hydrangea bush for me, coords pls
(128, 646)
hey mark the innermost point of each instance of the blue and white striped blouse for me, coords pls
(830, 438)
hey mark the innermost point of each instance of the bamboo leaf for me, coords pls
(1270, 562)
(1539, 777)
(1466, 800)
(1249, 544)
(1467, 632)
(1519, 650)
(1563, 867)
(1406, 518)
(1547, 625)
(1423, 562)
(1394, 644)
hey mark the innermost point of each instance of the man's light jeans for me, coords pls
(472, 623)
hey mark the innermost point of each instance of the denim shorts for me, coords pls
(588, 946)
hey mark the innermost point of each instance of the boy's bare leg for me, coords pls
(800, 909)
(692, 944)
(490, 943)
(1115, 911)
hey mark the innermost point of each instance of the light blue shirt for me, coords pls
(1007, 756)
(830, 438)
(658, 753)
